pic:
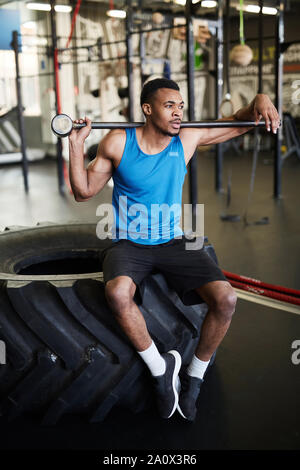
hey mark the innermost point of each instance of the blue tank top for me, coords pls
(147, 193)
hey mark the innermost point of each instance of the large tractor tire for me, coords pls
(65, 352)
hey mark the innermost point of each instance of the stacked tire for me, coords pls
(65, 352)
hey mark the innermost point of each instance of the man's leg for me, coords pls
(164, 368)
(119, 294)
(221, 300)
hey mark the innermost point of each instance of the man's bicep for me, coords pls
(206, 135)
(99, 172)
(101, 163)
(217, 135)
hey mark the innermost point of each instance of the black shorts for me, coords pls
(184, 269)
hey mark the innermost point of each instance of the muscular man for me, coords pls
(148, 166)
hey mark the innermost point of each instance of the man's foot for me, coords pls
(190, 389)
(166, 385)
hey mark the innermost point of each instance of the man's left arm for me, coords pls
(261, 107)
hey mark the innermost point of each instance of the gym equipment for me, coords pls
(257, 137)
(257, 140)
(259, 283)
(10, 140)
(241, 54)
(265, 292)
(226, 107)
(62, 124)
(66, 353)
(263, 220)
(291, 135)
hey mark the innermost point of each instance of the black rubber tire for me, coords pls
(65, 352)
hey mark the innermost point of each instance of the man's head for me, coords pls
(162, 105)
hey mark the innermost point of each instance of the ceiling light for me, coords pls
(47, 7)
(208, 3)
(116, 13)
(256, 9)
(269, 11)
(38, 6)
(252, 8)
(63, 8)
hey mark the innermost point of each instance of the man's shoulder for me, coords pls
(190, 138)
(113, 143)
(115, 136)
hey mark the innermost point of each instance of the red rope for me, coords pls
(73, 22)
(249, 280)
(266, 293)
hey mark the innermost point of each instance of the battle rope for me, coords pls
(284, 294)
(257, 282)
(266, 292)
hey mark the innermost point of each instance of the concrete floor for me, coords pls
(251, 398)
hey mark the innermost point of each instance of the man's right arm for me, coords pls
(86, 182)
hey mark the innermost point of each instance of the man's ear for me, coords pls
(146, 107)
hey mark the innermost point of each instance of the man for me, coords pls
(148, 166)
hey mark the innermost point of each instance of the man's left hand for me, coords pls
(264, 108)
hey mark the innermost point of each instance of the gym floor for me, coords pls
(250, 398)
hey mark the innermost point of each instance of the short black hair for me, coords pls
(153, 85)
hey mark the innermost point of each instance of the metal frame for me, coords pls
(281, 46)
(192, 170)
(60, 162)
(15, 46)
(278, 96)
(129, 54)
(219, 92)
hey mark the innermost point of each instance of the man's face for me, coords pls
(165, 111)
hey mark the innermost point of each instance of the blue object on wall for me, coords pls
(10, 21)
(167, 69)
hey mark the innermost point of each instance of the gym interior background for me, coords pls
(91, 58)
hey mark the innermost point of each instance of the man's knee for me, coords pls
(224, 304)
(119, 293)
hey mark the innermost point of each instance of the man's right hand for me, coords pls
(79, 136)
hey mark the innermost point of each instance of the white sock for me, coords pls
(153, 359)
(197, 367)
